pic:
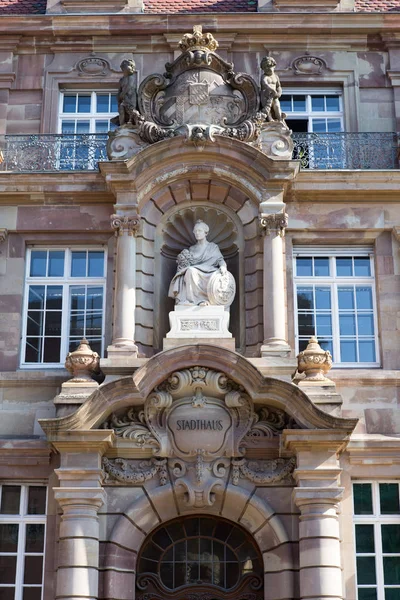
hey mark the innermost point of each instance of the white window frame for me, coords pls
(91, 116)
(22, 519)
(66, 282)
(376, 519)
(334, 282)
(309, 114)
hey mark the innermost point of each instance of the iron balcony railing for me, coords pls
(82, 152)
(52, 152)
(343, 150)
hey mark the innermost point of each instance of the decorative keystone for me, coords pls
(314, 362)
(198, 40)
(125, 224)
(83, 363)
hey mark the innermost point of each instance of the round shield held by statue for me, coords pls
(221, 288)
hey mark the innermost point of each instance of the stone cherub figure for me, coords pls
(271, 90)
(127, 95)
(196, 265)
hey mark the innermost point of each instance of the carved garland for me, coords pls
(128, 471)
(262, 472)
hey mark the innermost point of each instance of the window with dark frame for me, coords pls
(22, 541)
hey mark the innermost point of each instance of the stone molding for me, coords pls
(112, 396)
(275, 222)
(129, 225)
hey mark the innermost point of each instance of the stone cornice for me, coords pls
(300, 440)
(335, 186)
(43, 188)
(24, 452)
(374, 450)
(94, 440)
(250, 23)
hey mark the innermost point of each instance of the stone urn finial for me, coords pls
(314, 362)
(82, 363)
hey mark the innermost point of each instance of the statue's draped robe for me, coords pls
(189, 286)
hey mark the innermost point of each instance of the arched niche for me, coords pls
(173, 234)
(234, 212)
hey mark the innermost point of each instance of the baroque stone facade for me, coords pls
(237, 448)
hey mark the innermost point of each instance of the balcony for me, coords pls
(353, 151)
(82, 152)
(52, 152)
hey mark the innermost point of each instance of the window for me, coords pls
(22, 537)
(199, 552)
(335, 301)
(64, 302)
(317, 111)
(87, 112)
(83, 113)
(377, 540)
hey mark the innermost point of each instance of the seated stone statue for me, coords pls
(196, 267)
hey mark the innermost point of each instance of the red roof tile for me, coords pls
(32, 7)
(199, 6)
(377, 5)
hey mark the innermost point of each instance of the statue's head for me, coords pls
(200, 230)
(128, 67)
(268, 64)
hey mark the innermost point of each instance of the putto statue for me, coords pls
(127, 95)
(271, 91)
(202, 277)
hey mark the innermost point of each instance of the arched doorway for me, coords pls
(199, 557)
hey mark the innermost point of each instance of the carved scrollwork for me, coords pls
(262, 472)
(268, 423)
(93, 66)
(308, 65)
(274, 222)
(125, 224)
(199, 479)
(199, 96)
(134, 472)
(132, 426)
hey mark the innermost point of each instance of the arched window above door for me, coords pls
(205, 553)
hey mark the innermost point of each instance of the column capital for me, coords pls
(317, 497)
(125, 224)
(274, 222)
(93, 498)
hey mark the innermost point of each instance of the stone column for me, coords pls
(80, 497)
(318, 497)
(78, 556)
(319, 543)
(123, 343)
(275, 343)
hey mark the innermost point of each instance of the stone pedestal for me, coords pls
(191, 324)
